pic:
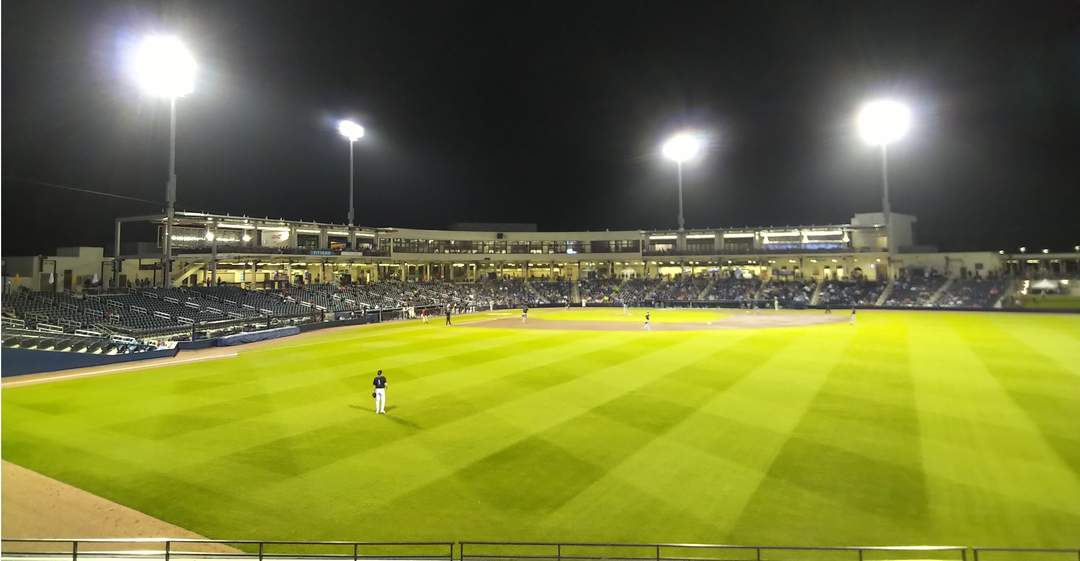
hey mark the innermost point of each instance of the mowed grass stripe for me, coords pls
(407, 473)
(241, 416)
(984, 461)
(628, 436)
(683, 467)
(883, 476)
(1047, 393)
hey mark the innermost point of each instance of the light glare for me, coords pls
(682, 147)
(350, 130)
(883, 121)
(163, 67)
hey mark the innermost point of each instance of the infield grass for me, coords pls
(908, 428)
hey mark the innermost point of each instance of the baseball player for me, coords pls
(379, 383)
(852, 315)
(524, 313)
(646, 327)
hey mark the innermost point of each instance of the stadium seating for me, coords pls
(600, 290)
(789, 293)
(145, 312)
(914, 291)
(850, 293)
(731, 289)
(44, 341)
(972, 293)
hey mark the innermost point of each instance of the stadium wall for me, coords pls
(17, 362)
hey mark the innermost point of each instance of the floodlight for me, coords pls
(164, 67)
(246, 237)
(1046, 251)
(350, 130)
(682, 147)
(883, 121)
(1023, 249)
(209, 236)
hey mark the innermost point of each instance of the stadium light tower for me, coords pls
(353, 132)
(880, 123)
(164, 68)
(679, 148)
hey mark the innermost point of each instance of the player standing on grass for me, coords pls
(524, 313)
(646, 327)
(379, 383)
(852, 314)
(448, 315)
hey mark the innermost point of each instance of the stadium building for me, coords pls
(262, 253)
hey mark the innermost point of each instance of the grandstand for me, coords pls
(258, 273)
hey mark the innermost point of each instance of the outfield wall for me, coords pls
(17, 362)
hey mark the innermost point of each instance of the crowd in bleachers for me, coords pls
(683, 288)
(788, 293)
(600, 290)
(551, 291)
(973, 292)
(147, 311)
(915, 290)
(835, 293)
(734, 289)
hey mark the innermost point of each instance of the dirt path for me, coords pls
(36, 506)
(738, 321)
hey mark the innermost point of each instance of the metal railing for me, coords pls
(180, 549)
(1025, 553)
(504, 551)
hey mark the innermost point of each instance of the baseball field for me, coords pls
(905, 428)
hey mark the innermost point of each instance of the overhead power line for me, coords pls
(80, 190)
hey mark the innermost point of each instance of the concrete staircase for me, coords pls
(704, 294)
(885, 293)
(575, 293)
(940, 292)
(184, 274)
(816, 296)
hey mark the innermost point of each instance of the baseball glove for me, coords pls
(372, 394)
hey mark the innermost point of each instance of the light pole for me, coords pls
(680, 148)
(880, 123)
(165, 68)
(352, 132)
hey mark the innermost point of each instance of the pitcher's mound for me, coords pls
(737, 321)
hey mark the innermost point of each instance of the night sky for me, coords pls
(549, 112)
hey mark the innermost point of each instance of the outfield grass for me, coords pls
(1053, 301)
(908, 428)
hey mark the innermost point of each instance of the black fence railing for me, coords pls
(1025, 554)
(168, 549)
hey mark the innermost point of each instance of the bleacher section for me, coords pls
(973, 293)
(788, 294)
(154, 312)
(915, 291)
(850, 293)
(14, 338)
